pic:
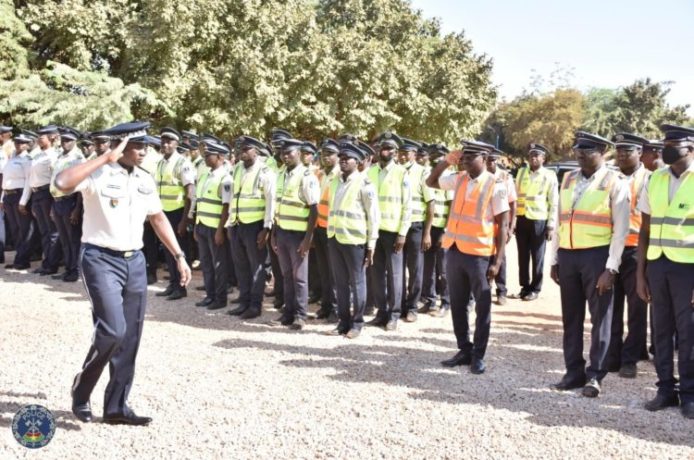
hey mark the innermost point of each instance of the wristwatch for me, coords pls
(180, 255)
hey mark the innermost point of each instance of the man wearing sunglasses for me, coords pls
(586, 254)
(665, 273)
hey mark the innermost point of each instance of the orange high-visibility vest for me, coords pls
(323, 207)
(641, 176)
(470, 223)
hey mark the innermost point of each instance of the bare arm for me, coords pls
(68, 179)
(433, 179)
(501, 220)
(641, 279)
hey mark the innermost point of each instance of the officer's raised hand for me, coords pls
(368, 258)
(399, 244)
(554, 273)
(605, 282)
(114, 155)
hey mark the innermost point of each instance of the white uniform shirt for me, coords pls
(644, 204)
(116, 204)
(621, 210)
(15, 175)
(497, 205)
(369, 201)
(42, 168)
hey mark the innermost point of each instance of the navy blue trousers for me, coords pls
(294, 272)
(434, 275)
(671, 285)
(21, 227)
(41, 204)
(387, 277)
(414, 263)
(531, 243)
(347, 264)
(579, 270)
(248, 263)
(323, 266)
(69, 235)
(174, 218)
(117, 288)
(214, 263)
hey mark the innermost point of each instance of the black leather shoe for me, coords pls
(8, 266)
(661, 402)
(71, 277)
(462, 358)
(530, 296)
(166, 292)
(628, 371)
(322, 314)
(567, 383)
(391, 325)
(332, 318)
(216, 306)
(250, 313)
(237, 311)
(477, 367)
(177, 294)
(151, 278)
(126, 419)
(200, 288)
(687, 410)
(37, 271)
(336, 332)
(59, 276)
(411, 317)
(50, 271)
(21, 266)
(380, 322)
(83, 412)
(298, 324)
(281, 321)
(204, 302)
(353, 333)
(592, 389)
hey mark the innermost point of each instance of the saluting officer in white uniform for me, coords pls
(118, 196)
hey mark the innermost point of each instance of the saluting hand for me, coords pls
(114, 155)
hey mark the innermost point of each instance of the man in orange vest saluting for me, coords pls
(479, 207)
(586, 254)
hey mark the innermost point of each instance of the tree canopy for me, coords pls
(242, 66)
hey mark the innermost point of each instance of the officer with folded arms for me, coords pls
(118, 196)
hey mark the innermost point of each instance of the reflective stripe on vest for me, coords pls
(470, 224)
(533, 193)
(209, 201)
(589, 224)
(171, 191)
(637, 183)
(417, 204)
(292, 213)
(442, 206)
(390, 198)
(348, 223)
(248, 202)
(672, 223)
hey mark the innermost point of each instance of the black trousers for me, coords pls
(579, 270)
(531, 243)
(174, 218)
(69, 234)
(214, 263)
(671, 285)
(117, 288)
(633, 348)
(387, 277)
(434, 280)
(347, 264)
(325, 270)
(279, 279)
(21, 227)
(151, 250)
(41, 204)
(248, 261)
(294, 272)
(414, 263)
(469, 276)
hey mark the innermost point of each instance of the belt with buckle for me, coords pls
(112, 252)
(13, 191)
(41, 188)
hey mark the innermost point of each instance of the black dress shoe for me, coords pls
(166, 292)
(628, 371)
(687, 410)
(380, 322)
(204, 302)
(83, 412)
(661, 402)
(298, 324)
(8, 266)
(281, 321)
(335, 332)
(391, 325)
(49, 271)
(592, 389)
(21, 266)
(71, 277)
(216, 306)
(462, 358)
(530, 296)
(250, 313)
(37, 271)
(332, 318)
(59, 276)
(237, 311)
(477, 367)
(322, 314)
(569, 383)
(177, 294)
(200, 288)
(126, 419)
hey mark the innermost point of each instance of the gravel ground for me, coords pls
(221, 388)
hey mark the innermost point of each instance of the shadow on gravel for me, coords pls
(520, 368)
(13, 407)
